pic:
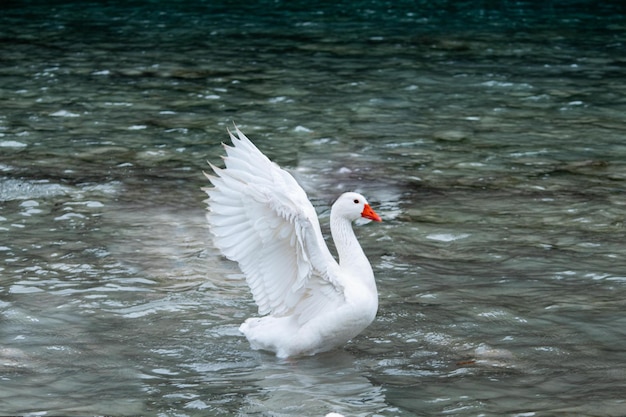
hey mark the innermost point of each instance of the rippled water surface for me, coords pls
(490, 136)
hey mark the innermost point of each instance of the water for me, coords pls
(490, 137)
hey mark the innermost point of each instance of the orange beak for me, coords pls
(368, 213)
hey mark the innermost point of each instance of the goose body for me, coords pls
(263, 220)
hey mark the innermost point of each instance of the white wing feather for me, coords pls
(262, 219)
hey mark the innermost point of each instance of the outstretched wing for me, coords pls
(262, 219)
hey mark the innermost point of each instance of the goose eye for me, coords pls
(356, 201)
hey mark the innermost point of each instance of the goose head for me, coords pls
(353, 206)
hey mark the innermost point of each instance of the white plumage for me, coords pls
(262, 219)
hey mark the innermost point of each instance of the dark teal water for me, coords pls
(490, 136)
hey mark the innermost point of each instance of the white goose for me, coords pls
(262, 219)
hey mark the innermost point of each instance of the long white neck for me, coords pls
(351, 256)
